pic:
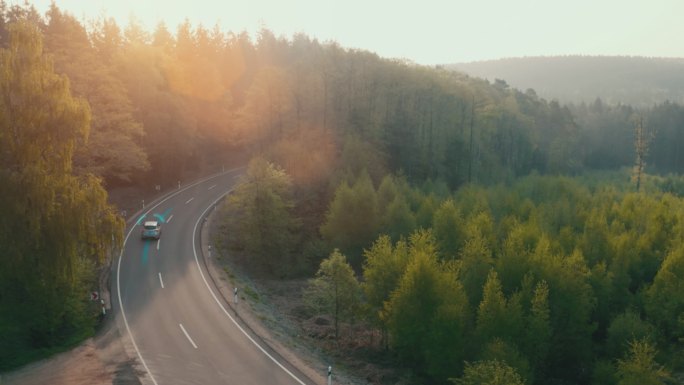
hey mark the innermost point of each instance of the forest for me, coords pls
(633, 80)
(478, 231)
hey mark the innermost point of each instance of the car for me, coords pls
(151, 230)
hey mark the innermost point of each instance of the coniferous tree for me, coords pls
(428, 313)
(489, 373)
(665, 305)
(383, 268)
(639, 367)
(352, 221)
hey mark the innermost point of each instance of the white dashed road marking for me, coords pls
(188, 335)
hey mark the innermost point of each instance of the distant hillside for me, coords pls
(638, 81)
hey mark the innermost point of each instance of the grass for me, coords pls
(251, 293)
(17, 354)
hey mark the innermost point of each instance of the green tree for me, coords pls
(352, 221)
(358, 155)
(603, 373)
(448, 227)
(383, 268)
(513, 262)
(571, 303)
(387, 192)
(55, 228)
(538, 331)
(499, 350)
(640, 366)
(258, 217)
(335, 290)
(489, 373)
(398, 219)
(426, 210)
(476, 262)
(491, 314)
(113, 149)
(496, 317)
(665, 297)
(626, 328)
(428, 313)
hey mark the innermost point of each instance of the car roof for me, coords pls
(151, 223)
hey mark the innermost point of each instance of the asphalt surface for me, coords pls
(182, 331)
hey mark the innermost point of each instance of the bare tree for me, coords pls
(642, 140)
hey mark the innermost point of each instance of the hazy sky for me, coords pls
(429, 31)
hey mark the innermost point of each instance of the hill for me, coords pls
(638, 81)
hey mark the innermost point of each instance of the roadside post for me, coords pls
(329, 375)
(209, 251)
(235, 295)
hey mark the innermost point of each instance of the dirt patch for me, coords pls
(99, 360)
(355, 352)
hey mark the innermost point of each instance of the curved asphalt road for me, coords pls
(181, 330)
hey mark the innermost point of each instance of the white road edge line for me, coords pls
(158, 241)
(189, 200)
(211, 187)
(118, 267)
(169, 220)
(161, 281)
(123, 313)
(188, 335)
(194, 251)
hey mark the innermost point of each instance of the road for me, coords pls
(180, 328)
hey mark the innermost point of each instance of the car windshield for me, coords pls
(149, 226)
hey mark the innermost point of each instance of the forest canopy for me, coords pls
(480, 230)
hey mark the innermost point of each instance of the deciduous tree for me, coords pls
(55, 228)
(335, 290)
(258, 217)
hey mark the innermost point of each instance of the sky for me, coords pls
(427, 32)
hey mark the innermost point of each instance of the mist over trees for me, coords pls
(476, 232)
(637, 81)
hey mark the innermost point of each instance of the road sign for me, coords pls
(94, 296)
